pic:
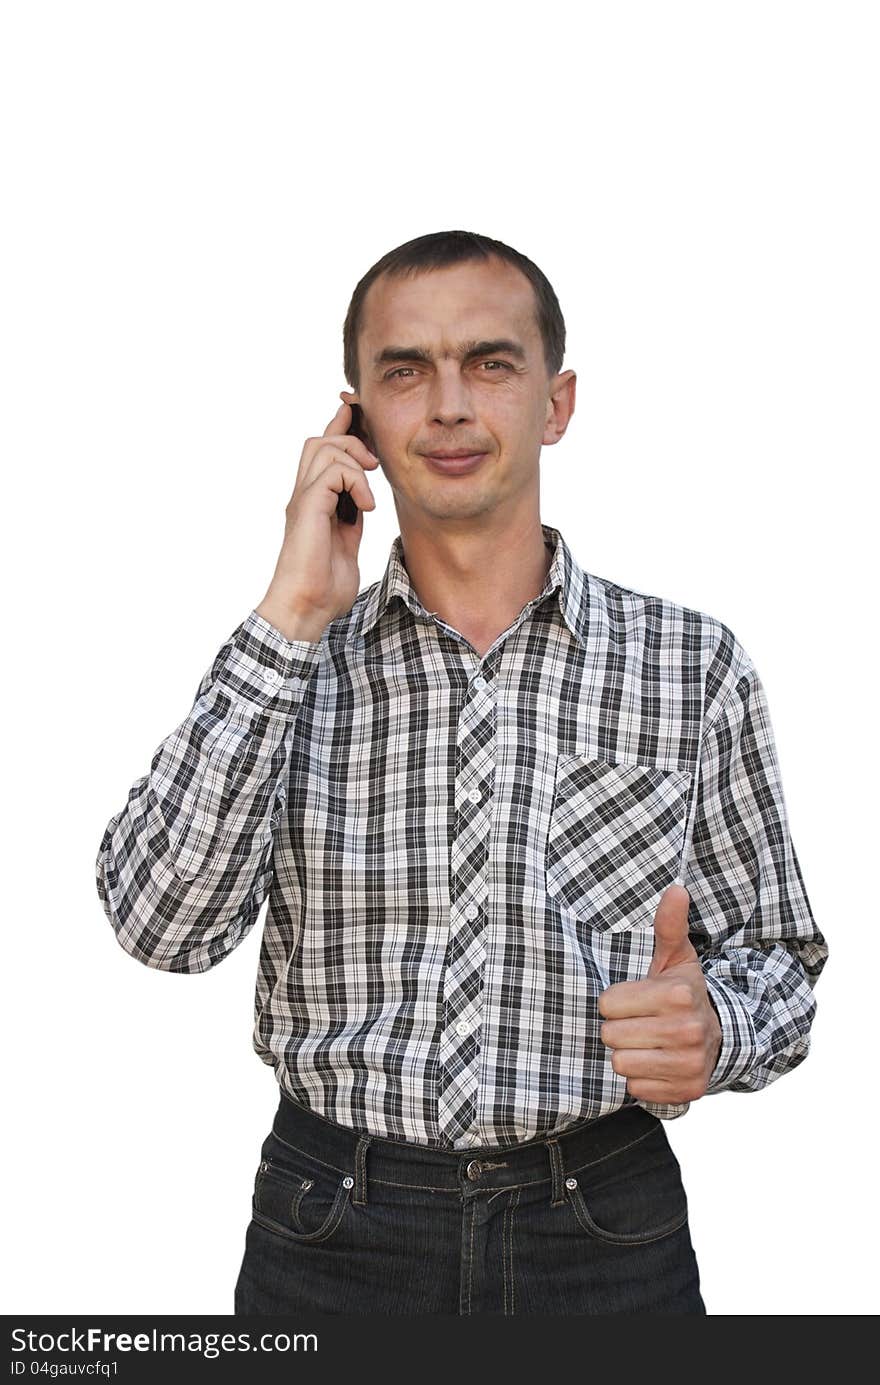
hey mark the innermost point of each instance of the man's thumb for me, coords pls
(671, 942)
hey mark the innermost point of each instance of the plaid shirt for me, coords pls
(460, 853)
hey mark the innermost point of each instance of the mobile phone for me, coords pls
(346, 509)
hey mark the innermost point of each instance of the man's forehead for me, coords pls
(441, 310)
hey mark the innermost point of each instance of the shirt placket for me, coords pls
(460, 1041)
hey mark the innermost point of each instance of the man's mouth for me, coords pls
(454, 462)
(444, 453)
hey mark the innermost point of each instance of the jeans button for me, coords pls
(571, 1182)
(474, 1169)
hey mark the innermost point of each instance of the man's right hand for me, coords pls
(316, 577)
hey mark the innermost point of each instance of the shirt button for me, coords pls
(463, 1027)
(474, 795)
(295, 682)
(471, 911)
(480, 682)
(271, 675)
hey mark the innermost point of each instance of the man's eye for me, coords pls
(401, 369)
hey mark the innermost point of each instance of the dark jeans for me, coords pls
(592, 1220)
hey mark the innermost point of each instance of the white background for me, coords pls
(191, 193)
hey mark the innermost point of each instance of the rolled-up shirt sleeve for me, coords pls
(749, 918)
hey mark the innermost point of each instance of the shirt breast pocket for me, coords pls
(615, 839)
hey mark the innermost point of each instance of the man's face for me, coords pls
(495, 402)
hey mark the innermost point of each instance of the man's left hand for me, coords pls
(664, 1032)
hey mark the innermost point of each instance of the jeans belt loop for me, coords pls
(359, 1196)
(557, 1171)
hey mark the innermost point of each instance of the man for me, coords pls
(531, 885)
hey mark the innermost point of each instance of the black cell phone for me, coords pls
(346, 509)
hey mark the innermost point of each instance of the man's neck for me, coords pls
(479, 583)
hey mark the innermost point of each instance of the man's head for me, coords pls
(456, 341)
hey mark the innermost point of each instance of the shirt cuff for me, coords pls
(739, 1047)
(264, 671)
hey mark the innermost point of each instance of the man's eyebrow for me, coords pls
(501, 346)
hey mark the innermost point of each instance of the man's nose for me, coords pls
(450, 402)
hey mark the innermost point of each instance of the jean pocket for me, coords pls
(632, 1197)
(296, 1195)
(615, 839)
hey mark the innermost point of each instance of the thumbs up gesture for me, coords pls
(664, 1032)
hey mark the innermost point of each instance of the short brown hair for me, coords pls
(436, 251)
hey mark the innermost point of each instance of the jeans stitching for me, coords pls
(258, 1185)
(294, 1208)
(321, 1233)
(621, 1238)
(557, 1168)
(471, 1264)
(514, 1206)
(307, 1153)
(360, 1194)
(620, 1150)
(507, 1247)
(531, 1183)
(504, 1258)
(467, 1252)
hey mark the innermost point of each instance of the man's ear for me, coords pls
(560, 406)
